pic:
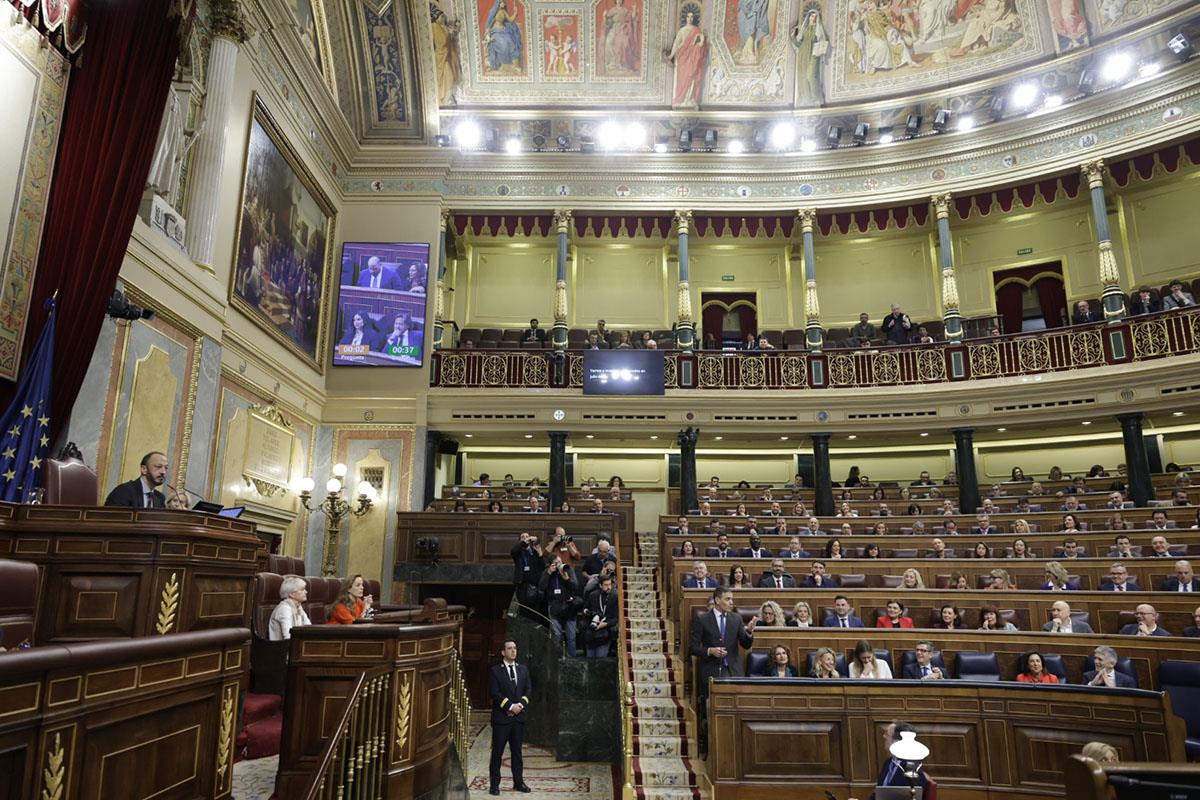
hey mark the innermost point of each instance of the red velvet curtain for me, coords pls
(1053, 297)
(114, 106)
(1010, 307)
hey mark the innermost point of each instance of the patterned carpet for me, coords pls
(255, 780)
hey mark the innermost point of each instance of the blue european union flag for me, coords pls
(25, 426)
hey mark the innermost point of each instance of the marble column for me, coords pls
(685, 330)
(208, 159)
(964, 460)
(687, 469)
(558, 469)
(562, 224)
(951, 318)
(813, 335)
(1111, 297)
(433, 446)
(439, 298)
(822, 476)
(1137, 464)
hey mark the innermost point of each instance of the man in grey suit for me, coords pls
(777, 578)
(716, 638)
(1061, 622)
(1184, 580)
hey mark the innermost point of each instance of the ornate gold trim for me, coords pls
(404, 713)
(189, 412)
(562, 220)
(941, 205)
(55, 773)
(685, 302)
(806, 217)
(1110, 275)
(683, 221)
(1093, 173)
(949, 290)
(812, 309)
(225, 735)
(168, 606)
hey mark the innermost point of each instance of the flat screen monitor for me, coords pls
(380, 318)
(623, 372)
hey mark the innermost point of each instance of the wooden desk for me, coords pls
(120, 572)
(798, 738)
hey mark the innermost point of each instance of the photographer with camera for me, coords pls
(563, 602)
(593, 581)
(601, 618)
(564, 547)
(596, 561)
(528, 563)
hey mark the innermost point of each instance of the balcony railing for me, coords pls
(1131, 340)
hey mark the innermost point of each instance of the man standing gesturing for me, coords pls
(509, 686)
(715, 640)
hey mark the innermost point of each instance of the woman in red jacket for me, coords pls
(351, 604)
(1033, 670)
(894, 616)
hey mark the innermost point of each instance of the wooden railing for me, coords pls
(1131, 340)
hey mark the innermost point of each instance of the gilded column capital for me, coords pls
(941, 205)
(683, 221)
(1093, 172)
(444, 220)
(807, 217)
(562, 220)
(228, 21)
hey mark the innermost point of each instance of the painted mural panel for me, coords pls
(504, 36)
(561, 37)
(386, 64)
(751, 56)
(307, 14)
(446, 59)
(689, 54)
(620, 33)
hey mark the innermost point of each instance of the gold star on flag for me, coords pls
(43, 420)
(35, 462)
(9, 453)
(45, 440)
(15, 431)
(27, 412)
(8, 476)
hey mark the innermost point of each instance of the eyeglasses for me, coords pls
(924, 650)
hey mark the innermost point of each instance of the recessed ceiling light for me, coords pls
(886, 136)
(660, 146)
(924, 433)
(590, 436)
(852, 436)
(1025, 94)
(966, 123)
(782, 135)
(718, 438)
(529, 436)
(635, 135)
(468, 134)
(1117, 66)
(736, 147)
(783, 438)
(1086, 422)
(808, 146)
(1176, 413)
(512, 145)
(655, 436)
(470, 436)
(609, 134)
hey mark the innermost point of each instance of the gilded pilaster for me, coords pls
(685, 331)
(951, 318)
(1112, 298)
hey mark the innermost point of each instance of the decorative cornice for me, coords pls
(562, 220)
(683, 221)
(228, 22)
(1093, 173)
(807, 218)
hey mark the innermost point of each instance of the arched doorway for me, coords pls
(1031, 298)
(727, 317)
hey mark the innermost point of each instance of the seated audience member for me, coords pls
(598, 506)
(863, 334)
(913, 510)
(1071, 549)
(460, 506)
(595, 343)
(496, 507)
(1177, 297)
(1105, 673)
(923, 479)
(1144, 303)
(950, 528)
(774, 511)
(989, 507)
(1071, 504)
(1078, 485)
(1193, 631)
(801, 615)
(1116, 500)
(766, 495)
(1057, 579)
(764, 344)
(843, 616)
(738, 511)
(793, 550)
(739, 578)
(1184, 580)
(1062, 622)
(999, 580)
(351, 604)
(878, 493)
(750, 342)
(870, 550)
(1180, 498)
(1117, 522)
(142, 491)
(846, 511)
(1032, 669)
(813, 529)
(1019, 548)
(1083, 314)
(1101, 752)
(533, 333)
(777, 578)
(722, 550)
(911, 579)
(845, 530)
(714, 528)
(1023, 506)
(950, 619)
(948, 508)
(980, 550)
(958, 581)
(756, 549)
(1055, 474)
(535, 505)
(1122, 547)
(1119, 580)
(818, 578)
(293, 592)
(990, 620)
(923, 669)
(1147, 623)
(833, 548)
(699, 579)
(1159, 521)
(1017, 476)
(984, 527)
(593, 563)
(601, 613)
(687, 549)
(895, 615)
(179, 501)
(937, 549)
(879, 529)
(799, 510)
(866, 666)
(771, 615)
(1160, 547)
(781, 528)
(824, 664)
(780, 664)
(705, 509)
(918, 527)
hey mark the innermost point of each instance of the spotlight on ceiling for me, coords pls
(860, 133)
(736, 148)
(710, 140)
(468, 134)
(442, 139)
(587, 144)
(941, 120)
(966, 123)
(1116, 66)
(660, 144)
(563, 141)
(886, 135)
(634, 135)
(608, 135)
(782, 135)
(512, 145)
(539, 142)
(685, 141)
(1024, 95)
(833, 135)
(1148, 69)
(807, 145)
(912, 126)
(1180, 45)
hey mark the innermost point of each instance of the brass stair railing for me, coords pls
(353, 764)
(460, 710)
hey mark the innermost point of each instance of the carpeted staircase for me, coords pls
(664, 743)
(262, 727)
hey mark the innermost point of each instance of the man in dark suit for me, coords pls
(1105, 674)
(1184, 580)
(142, 491)
(510, 687)
(1144, 303)
(794, 550)
(1193, 631)
(533, 333)
(923, 669)
(1119, 580)
(1083, 314)
(755, 550)
(892, 772)
(376, 276)
(699, 578)
(722, 550)
(528, 563)
(715, 640)
(818, 578)
(777, 578)
(896, 326)
(1147, 623)
(843, 615)
(601, 619)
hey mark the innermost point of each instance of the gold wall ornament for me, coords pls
(985, 360)
(1109, 274)
(712, 372)
(535, 372)
(189, 413)
(685, 302)
(670, 376)
(842, 371)
(812, 309)
(949, 290)
(885, 367)
(439, 302)
(267, 453)
(753, 373)
(403, 713)
(560, 301)
(55, 773)
(683, 221)
(266, 488)
(227, 21)
(931, 366)
(1093, 173)
(444, 220)
(562, 220)
(1150, 339)
(941, 205)
(454, 370)
(807, 217)
(168, 606)
(793, 372)
(225, 735)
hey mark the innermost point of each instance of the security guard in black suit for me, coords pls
(510, 687)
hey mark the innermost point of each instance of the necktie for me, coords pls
(1120, 587)
(721, 620)
(1185, 587)
(149, 499)
(924, 672)
(374, 281)
(512, 673)
(779, 583)
(845, 622)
